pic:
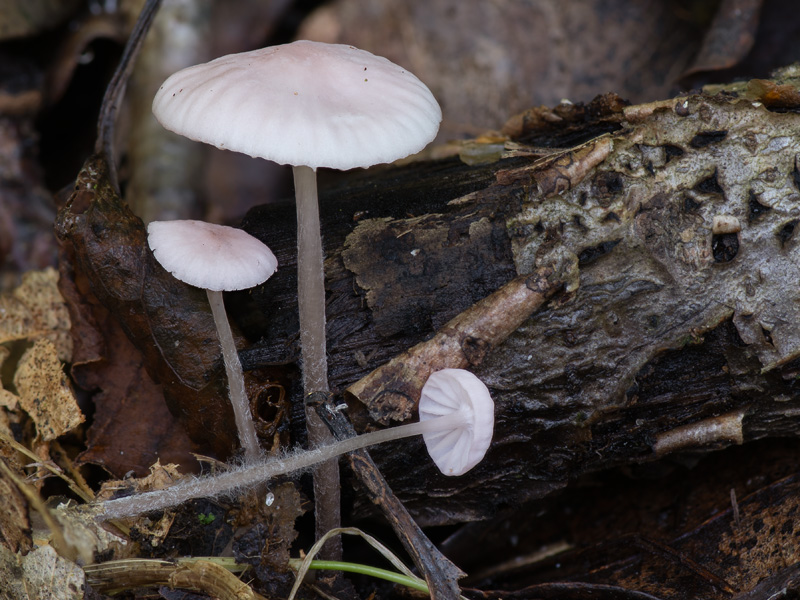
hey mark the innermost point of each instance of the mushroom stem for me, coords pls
(238, 395)
(310, 282)
(256, 473)
(311, 306)
(443, 423)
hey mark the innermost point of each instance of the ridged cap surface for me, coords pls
(212, 257)
(304, 103)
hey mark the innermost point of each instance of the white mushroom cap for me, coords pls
(455, 450)
(212, 257)
(304, 103)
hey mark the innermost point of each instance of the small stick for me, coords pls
(104, 145)
(735, 507)
(463, 342)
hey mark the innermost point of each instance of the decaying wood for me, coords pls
(202, 576)
(393, 389)
(682, 224)
(710, 528)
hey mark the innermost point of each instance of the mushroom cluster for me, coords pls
(309, 105)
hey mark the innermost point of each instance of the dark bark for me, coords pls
(676, 332)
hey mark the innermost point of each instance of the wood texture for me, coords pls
(668, 322)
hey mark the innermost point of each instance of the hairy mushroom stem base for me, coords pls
(233, 368)
(311, 306)
(261, 471)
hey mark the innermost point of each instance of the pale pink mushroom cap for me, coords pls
(212, 257)
(457, 449)
(304, 103)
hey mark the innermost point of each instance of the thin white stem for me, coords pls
(449, 421)
(310, 282)
(238, 395)
(311, 306)
(261, 471)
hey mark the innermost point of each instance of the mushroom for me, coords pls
(309, 105)
(456, 422)
(458, 399)
(217, 259)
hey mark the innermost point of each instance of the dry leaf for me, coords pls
(45, 393)
(161, 476)
(40, 575)
(104, 245)
(14, 523)
(35, 310)
(131, 426)
(7, 399)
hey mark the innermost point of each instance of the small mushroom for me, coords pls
(456, 422)
(458, 399)
(217, 259)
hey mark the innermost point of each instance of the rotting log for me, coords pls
(677, 330)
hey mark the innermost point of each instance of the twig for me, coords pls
(82, 491)
(206, 576)
(104, 145)
(574, 590)
(463, 342)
